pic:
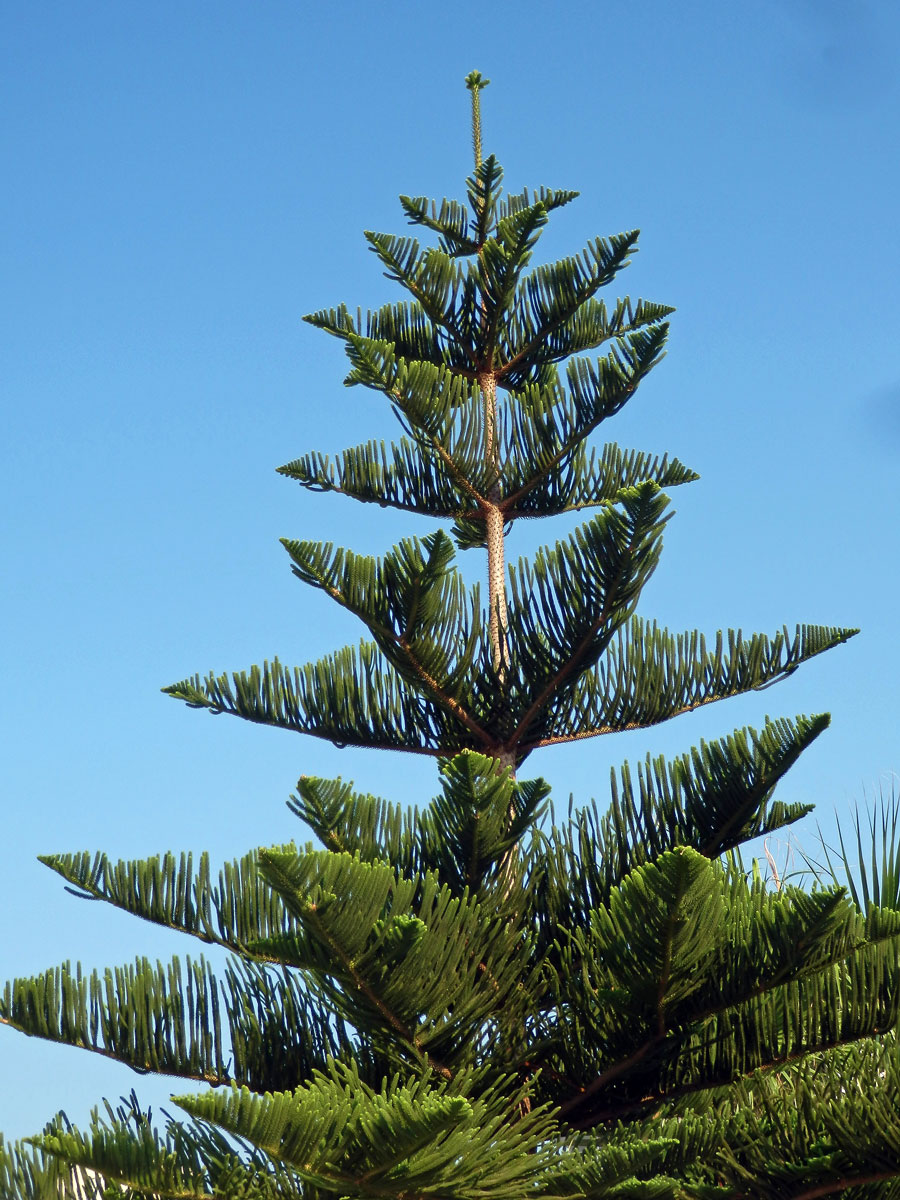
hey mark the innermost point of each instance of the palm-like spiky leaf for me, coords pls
(825, 1127)
(405, 326)
(727, 979)
(714, 799)
(464, 835)
(650, 675)
(154, 1018)
(414, 604)
(556, 315)
(347, 698)
(550, 198)
(566, 608)
(27, 1173)
(349, 822)
(403, 954)
(231, 910)
(583, 479)
(450, 221)
(483, 188)
(123, 1148)
(433, 278)
(403, 476)
(628, 1168)
(871, 872)
(257, 1025)
(645, 675)
(425, 1138)
(500, 264)
(483, 813)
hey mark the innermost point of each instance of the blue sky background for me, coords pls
(184, 181)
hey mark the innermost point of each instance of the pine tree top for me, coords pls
(499, 372)
(471, 997)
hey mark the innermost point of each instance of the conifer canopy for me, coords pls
(475, 997)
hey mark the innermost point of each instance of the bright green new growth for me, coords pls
(462, 999)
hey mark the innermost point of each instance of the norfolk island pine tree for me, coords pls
(460, 999)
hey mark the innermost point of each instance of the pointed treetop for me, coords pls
(475, 82)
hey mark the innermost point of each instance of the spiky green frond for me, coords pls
(556, 290)
(162, 1018)
(263, 1009)
(502, 259)
(645, 675)
(396, 476)
(654, 941)
(425, 393)
(404, 957)
(804, 1018)
(483, 188)
(420, 1138)
(435, 405)
(423, 619)
(414, 477)
(586, 330)
(601, 389)
(542, 435)
(552, 314)
(433, 278)
(123, 1148)
(464, 834)
(566, 607)
(336, 321)
(27, 1173)
(587, 479)
(628, 1168)
(468, 831)
(405, 326)
(231, 910)
(413, 336)
(723, 977)
(279, 1034)
(450, 221)
(555, 313)
(550, 198)
(869, 865)
(349, 822)
(352, 896)
(256, 1026)
(825, 1127)
(427, 390)
(347, 698)
(649, 675)
(714, 798)
(680, 968)
(545, 467)
(315, 1133)
(181, 1021)
(689, 1145)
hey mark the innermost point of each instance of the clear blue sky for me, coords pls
(184, 181)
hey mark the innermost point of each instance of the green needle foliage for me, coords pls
(468, 998)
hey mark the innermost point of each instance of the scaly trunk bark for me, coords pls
(497, 617)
